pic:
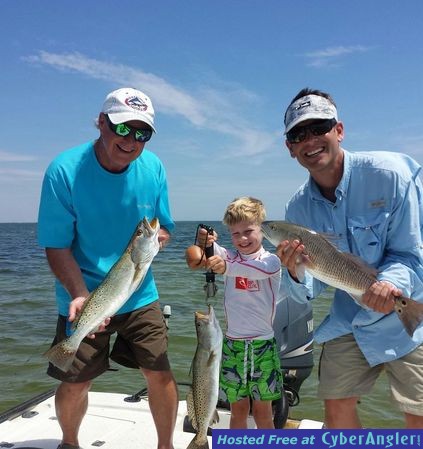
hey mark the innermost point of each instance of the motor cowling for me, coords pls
(293, 326)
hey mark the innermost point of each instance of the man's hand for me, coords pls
(164, 237)
(380, 296)
(291, 254)
(75, 308)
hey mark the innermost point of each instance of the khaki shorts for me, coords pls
(345, 373)
(141, 342)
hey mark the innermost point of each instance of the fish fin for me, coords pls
(410, 312)
(136, 274)
(360, 263)
(215, 418)
(358, 300)
(62, 355)
(197, 443)
(191, 409)
(135, 256)
(300, 271)
(75, 322)
(212, 359)
(332, 238)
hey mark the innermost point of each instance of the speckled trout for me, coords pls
(340, 270)
(125, 276)
(202, 398)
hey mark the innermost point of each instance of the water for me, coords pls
(28, 317)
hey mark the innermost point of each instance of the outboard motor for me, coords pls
(293, 325)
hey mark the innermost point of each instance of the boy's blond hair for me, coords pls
(245, 208)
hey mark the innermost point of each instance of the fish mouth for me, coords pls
(152, 226)
(202, 315)
(154, 223)
(266, 230)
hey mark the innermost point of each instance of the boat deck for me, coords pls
(111, 422)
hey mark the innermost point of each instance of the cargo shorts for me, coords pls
(141, 342)
(344, 372)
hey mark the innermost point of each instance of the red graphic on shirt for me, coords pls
(246, 284)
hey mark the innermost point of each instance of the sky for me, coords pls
(220, 74)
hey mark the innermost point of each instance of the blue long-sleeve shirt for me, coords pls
(377, 215)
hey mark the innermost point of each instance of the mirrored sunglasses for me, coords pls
(123, 130)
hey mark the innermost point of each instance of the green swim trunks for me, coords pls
(250, 368)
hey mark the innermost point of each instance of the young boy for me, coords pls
(250, 360)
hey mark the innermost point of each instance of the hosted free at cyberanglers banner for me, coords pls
(317, 438)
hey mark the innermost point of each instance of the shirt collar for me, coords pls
(251, 256)
(342, 188)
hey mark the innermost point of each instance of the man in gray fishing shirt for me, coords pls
(372, 203)
(92, 199)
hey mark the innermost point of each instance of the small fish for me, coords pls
(122, 280)
(202, 398)
(340, 270)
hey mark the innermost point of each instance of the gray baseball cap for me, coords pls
(309, 107)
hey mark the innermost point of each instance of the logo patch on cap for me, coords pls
(136, 103)
(304, 104)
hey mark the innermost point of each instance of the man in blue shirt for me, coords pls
(373, 203)
(93, 196)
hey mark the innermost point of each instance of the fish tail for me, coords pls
(62, 354)
(199, 442)
(410, 312)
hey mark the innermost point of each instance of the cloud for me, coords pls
(170, 99)
(205, 109)
(13, 157)
(330, 56)
(12, 174)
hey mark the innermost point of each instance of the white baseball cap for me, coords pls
(126, 104)
(309, 107)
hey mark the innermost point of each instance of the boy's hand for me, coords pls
(204, 239)
(216, 264)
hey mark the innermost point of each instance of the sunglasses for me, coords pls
(123, 130)
(299, 133)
